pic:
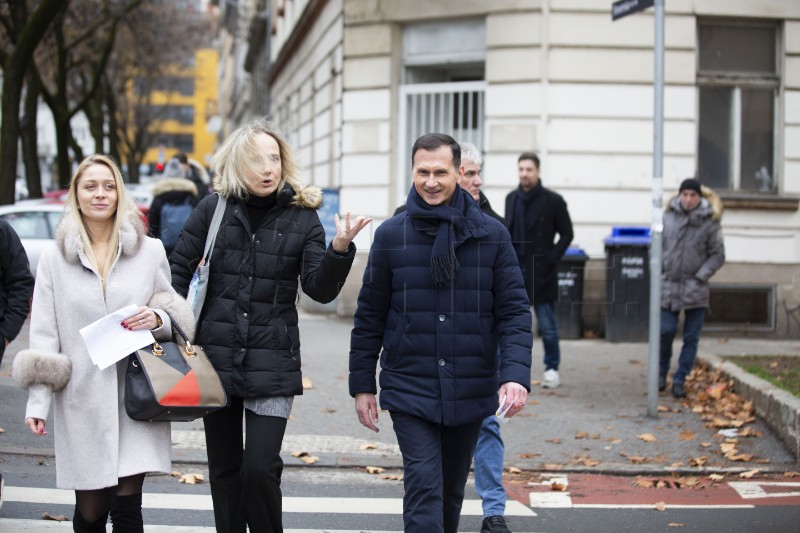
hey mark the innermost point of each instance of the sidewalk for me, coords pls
(591, 423)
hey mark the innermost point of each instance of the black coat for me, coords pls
(438, 346)
(248, 326)
(539, 254)
(16, 285)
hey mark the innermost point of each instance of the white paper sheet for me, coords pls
(108, 342)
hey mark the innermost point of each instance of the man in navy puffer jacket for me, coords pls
(442, 291)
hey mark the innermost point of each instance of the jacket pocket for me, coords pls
(489, 342)
(392, 344)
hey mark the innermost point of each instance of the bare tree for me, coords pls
(72, 62)
(145, 65)
(21, 30)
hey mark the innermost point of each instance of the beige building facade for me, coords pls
(353, 82)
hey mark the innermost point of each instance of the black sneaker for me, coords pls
(662, 383)
(678, 391)
(494, 524)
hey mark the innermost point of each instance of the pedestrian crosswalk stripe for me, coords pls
(8, 525)
(291, 504)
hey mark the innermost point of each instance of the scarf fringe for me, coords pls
(443, 268)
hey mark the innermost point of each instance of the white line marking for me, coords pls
(749, 490)
(202, 502)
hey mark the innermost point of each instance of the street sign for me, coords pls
(626, 7)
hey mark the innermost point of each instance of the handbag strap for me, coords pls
(216, 221)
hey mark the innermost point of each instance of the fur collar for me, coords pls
(68, 238)
(710, 204)
(174, 184)
(309, 197)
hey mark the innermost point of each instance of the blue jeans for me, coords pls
(548, 329)
(692, 325)
(488, 464)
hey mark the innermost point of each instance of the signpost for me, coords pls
(626, 7)
(618, 10)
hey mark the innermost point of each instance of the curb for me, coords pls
(778, 408)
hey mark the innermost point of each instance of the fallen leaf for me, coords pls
(687, 435)
(773, 365)
(716, 390)
(307, 384)
(191, 479)
(662, 409)
(750, 432)
(329, 410)
(552, 466)
(644, 483)
(555, 485)
(726, 447)
(637, 459)
(706, 444)
(791, 474)
(661, 506)
(393, 477)
(513, 470)
(309, 459)
(648, 437)
(55, 517)
(553, 441)
(676, 464)
(716, 477)
(175, 473)
(675, 524)
(528, 455)
(744, 457)
(375, 470)
(582, 435)
(698, 461)
(749, 473)
(368, 446)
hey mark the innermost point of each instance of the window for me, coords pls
(738, 83)
(29, 224)
(182, 142)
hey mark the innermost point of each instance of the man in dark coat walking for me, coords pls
(16, 285)
(534, 216)
(443, 308)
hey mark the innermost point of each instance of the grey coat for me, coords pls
(693, 252)
(95, 441)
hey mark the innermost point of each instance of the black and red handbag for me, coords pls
(172, 382)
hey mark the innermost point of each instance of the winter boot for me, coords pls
(126, 514)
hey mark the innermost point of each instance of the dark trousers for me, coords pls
(245, 477)
(436, 461)
(692, 326)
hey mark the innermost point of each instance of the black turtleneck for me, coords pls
(258, 207)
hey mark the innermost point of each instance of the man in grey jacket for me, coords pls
(693, 252)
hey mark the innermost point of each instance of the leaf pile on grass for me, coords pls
(781, 370)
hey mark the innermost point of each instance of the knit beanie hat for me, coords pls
(690, 183)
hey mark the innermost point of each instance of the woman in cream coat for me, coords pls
(102, 261)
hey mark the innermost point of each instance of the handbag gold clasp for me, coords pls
(158, 351)
(190, 351)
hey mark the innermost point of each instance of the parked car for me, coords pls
(35, 222)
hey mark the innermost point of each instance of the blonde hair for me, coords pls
(124, 205)
(238, 157)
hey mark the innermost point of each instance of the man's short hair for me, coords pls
(470, 152)
(432, 141)
(531, 156)
(182, 158)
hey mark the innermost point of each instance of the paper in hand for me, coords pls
(108, 342)
(503, 409)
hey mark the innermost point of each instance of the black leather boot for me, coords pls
(80, 525)
(662, 383)
(678, 391)
(126, 514)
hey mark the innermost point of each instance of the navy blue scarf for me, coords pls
(444, 263)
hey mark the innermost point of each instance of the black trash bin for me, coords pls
(570, 293)
(628, 284)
